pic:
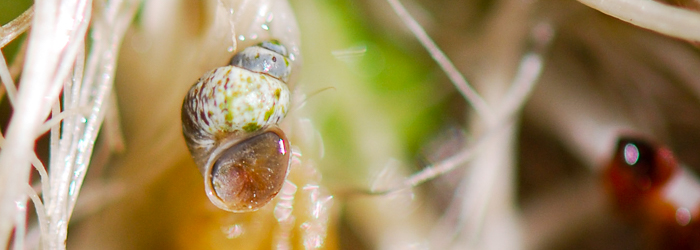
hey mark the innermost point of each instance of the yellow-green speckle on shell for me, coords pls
(233, 99)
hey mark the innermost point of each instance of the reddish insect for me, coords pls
(653, 192)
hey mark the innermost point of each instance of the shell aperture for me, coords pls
(254, 165)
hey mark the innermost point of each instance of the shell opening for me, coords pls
(251, 172)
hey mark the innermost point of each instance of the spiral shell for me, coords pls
(229, 120)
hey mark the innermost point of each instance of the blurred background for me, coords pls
(377, 108)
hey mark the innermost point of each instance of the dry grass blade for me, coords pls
(653, 15)
(16, 27)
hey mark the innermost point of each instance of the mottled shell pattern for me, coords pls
(229, 120)
(232, 99)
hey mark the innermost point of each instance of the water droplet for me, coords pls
(241, 37)
(254, 36)
(269, 17)
(265, 27)
(230, 49)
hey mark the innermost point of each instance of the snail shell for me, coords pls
(229, 120)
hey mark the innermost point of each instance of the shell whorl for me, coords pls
(267, 57)
(229, 120)
(232, 99)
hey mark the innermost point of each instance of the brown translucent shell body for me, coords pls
(242, 172)
(637, 179)
(249, 174)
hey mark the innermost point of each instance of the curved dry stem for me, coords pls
(8, 83)
(40, 211)
(33, 103)
(55, 58)
(480, 106)
(16, 27)
(656, 16)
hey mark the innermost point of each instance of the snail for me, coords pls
(230, 120)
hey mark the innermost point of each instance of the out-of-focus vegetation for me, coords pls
(10, 10)
(380, 103)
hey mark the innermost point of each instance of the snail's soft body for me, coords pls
(229, 120)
